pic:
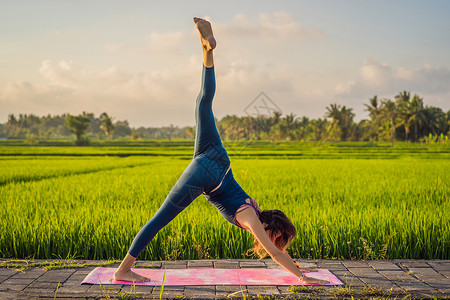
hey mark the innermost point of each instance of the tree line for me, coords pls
(404, 118)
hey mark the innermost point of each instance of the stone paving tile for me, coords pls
(31, 273)
(225, 290)
(414, 264)
(177, 264)
(252, 264)
(425, 273)
(200, 264)
(59, 275)
(148, 264)
(273, 266)
(226, 265)
(348, 278)
(442, 268)
(18, 281)
(12, 287)
(331, 266)
(37, 293)
(168, 291)
(263, 290)
(74, 289)
(383, 265)
(283, 290)
(439, 265)
(138, 289)
(3, 278)
(356, 264)
(372, 278)
(7, 272)
(412, 287)
(104, 290)
(75, 279)
(398, 276)
(445, 273)
(194, 290)
(442, 287)
(42, 285)
(303, 263)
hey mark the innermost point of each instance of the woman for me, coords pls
(210, 173)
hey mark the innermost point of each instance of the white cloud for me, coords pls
(375, 78)
(374, 74)
(24, 94)
(270, 27)
(142, 98)
(113, 48)
(166, 42)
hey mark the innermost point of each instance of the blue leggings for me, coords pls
(203, 174)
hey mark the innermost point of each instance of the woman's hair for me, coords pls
(277, 222)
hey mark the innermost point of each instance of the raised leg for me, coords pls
(206, 132)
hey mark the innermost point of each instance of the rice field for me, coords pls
(347, 200)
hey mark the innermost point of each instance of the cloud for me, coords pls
(376, 77)
(143, 98)
(248, 33)
(113, 48)
(270, 27)
(166, 42)
(24, 94)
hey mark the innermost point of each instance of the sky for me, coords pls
(141, 61)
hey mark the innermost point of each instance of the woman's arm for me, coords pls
(290, 258)
(277, 255)
(250, 220)
(304, 270)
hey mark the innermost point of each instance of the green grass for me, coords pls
(91, 207)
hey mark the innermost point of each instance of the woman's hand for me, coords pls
(311, 280)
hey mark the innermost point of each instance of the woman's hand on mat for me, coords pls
(311, 280)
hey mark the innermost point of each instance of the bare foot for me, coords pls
(206, 34)
(129, 276)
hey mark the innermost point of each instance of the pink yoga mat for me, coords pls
(210, 276)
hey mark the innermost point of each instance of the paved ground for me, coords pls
(422, 279)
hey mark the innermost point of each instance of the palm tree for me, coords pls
(404, 96)
(341, 119)
(390, 113)
(346, 122)
(276, 117)
(404, 112)
(374, 114)
(334, 112)
(107, 124)
(435, 121)
(288, 125)
(417, 114)
(373, 109)
(319, 128)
